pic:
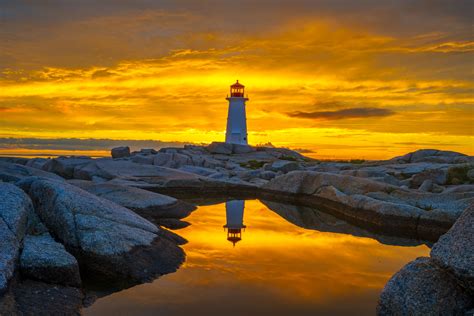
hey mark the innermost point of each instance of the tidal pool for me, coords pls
(285, 260)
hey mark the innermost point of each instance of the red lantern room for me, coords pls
(237, 90)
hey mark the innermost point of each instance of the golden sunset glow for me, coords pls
(319, 79)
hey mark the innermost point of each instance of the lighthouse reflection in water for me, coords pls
(235, 220)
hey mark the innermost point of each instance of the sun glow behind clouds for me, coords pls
(359, 93)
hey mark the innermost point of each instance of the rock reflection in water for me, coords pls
(291, 261)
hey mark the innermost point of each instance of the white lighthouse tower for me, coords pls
(236, 132)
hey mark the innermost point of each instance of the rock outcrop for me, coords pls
(440, 285)
(15, 206)
(375, 203)
(11, 172)
(454, 251)
(105, 237)
(423, 288)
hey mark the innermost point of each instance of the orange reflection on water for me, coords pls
(276, 268)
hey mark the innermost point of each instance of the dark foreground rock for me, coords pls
(455, 250)
(423, 288)
(15, 206)
(34, 298)
(105, 237)
(46, 260)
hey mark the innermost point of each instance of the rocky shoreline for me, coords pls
(109, 216)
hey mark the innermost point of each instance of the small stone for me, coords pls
(120, 152)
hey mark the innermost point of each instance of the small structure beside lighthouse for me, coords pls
(236, 132)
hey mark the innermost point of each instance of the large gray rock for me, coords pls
(220, 148)
(198, 170)
(120, 152)
(11, 172)
(163, 159)
(110, 169)
(37, 163)
(433, 155)
(438, 176)
(455, 249)
(147, 204)
(143, 159)
(105, 237)
(64, 166)
(422, 288)
(15, 206)
(386, 206)
(46, 260)
(283, 166)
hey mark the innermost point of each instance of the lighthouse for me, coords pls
(236, 132)
(234, 211)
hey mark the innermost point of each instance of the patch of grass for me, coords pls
(253, 164)
(289, 158)
(357, 161)
(425, 207)
(389, 190)
(458, 174)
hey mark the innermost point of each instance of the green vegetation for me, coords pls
(357, 161)
(425, 207)
(253, 164)
(458, 174)
(289, 158)
(389, 190)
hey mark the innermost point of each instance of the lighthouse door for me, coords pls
(236, 138)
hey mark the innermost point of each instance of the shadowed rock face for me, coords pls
(15, 206)
(38, 298)
(455, 250)
(106, 238)
(423, 288)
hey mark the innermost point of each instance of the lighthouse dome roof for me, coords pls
(237, 85)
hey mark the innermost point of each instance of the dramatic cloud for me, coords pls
(161, 70)
(343, 114)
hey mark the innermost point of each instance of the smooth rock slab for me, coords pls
(145, 203)
(11, 172)
(64, 166)
(423, 288)
(105, 237)
(455, 249)
(46, 260)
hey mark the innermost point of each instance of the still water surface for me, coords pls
(277, 268)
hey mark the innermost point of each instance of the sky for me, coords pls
(337, 79)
